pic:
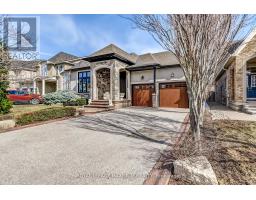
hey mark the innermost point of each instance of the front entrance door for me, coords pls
(251, 86)
(103, 83)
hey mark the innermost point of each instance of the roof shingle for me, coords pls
(113, 49)
(61, 57)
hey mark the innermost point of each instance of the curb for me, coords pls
(159, 175)
(49, 121)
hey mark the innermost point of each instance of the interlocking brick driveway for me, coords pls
(118, 147)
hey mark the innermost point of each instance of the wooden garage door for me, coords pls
(142, 95)
(173, 95)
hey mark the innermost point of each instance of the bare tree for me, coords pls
(201, 44)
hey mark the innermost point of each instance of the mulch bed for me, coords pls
(234, 150)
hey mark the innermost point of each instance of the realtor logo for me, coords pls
(20, 33)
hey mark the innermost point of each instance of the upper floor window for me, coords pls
(44, 70)
(84, 81)
(66, 81)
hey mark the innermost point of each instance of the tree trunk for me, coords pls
(196, 116)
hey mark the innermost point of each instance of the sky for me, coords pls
(81, 35)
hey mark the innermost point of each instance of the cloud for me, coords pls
(84, 34)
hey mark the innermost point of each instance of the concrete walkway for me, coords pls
(118, 147)
(222, 112)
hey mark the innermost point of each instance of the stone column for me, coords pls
(115, 83)
(34, 87)
(154, 100)
(128, 86)
(94, 85)
(57, 83)
(43, 86)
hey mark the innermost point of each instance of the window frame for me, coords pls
(85, 80)
(253, 80)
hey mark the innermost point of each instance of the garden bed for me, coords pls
(234, 157)
(230, 147)
(45, 115)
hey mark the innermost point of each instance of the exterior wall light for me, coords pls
(142, 77)
(172, 75)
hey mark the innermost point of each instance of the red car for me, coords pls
(20, 96)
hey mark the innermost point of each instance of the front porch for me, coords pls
(111, 83)
(44, 85)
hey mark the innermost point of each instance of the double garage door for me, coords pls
(172, 95)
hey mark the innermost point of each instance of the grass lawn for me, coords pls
(234, 150)
(21, 109)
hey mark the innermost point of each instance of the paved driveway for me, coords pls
(118, 147)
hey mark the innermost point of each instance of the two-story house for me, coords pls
(22, 74)
(51, 74)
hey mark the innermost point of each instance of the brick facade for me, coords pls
(235, 74)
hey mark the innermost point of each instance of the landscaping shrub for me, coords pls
(44, 115)
(77, 102)
(60, 97)
(5, 104)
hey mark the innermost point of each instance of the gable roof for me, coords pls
(28, 65)
(80, 64)
(146, 60)
(244, 42)
(160, 59)
(116, 51)
(62, 57)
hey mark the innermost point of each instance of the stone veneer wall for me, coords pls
(230, 74)
(221, 90)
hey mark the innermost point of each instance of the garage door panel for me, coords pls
(142, 95)
(173, 95)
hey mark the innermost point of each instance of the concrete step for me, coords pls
(99, 103)
(251, 112)
(98, 106)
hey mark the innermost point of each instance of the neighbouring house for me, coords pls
(235, 85)
(51, 74)
(114, 77)
(22, 74)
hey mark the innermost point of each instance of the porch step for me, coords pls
(250, 109)
(100, 104)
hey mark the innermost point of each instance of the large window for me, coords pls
(84, 81)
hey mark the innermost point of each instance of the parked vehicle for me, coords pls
(21, 96)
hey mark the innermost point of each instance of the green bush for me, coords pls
(61, 96)
(77, 102)
(5, 104)
(44, 115)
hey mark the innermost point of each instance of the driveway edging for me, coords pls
(158, 175)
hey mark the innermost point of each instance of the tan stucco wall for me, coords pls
(74, 81)
(162, 75)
